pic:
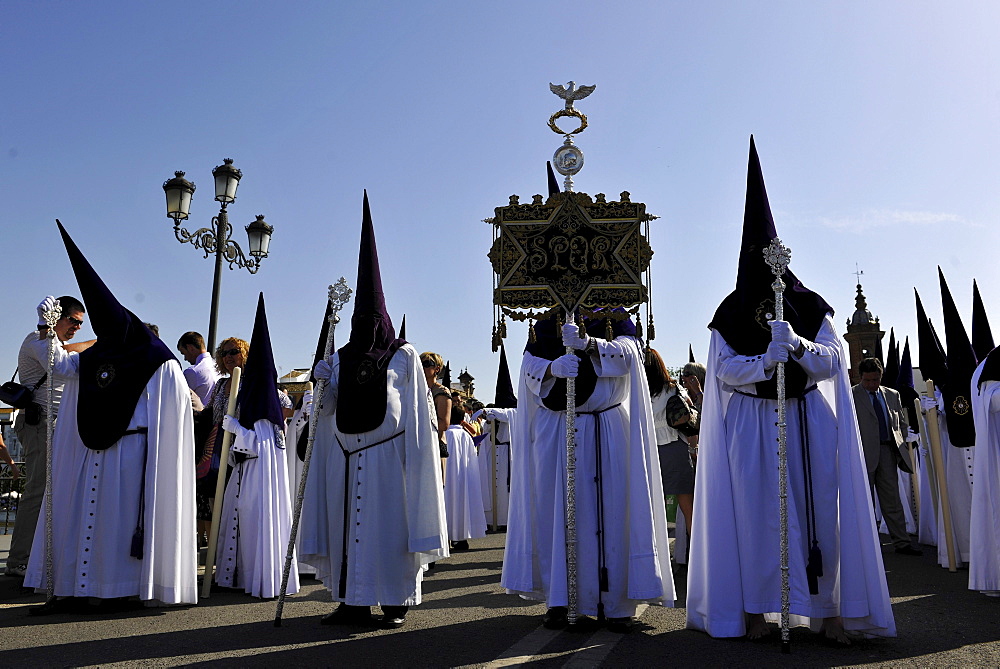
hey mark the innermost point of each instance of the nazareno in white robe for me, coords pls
(734, 558)
(959, 472)
(395, 513)
(501, 480)
(96, 501)
(635, 521)
(984, 550)
(463, 491)
(256, 516)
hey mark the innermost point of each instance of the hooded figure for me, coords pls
(494, 450)
(373, 512)
(984, 546)
(955, 421)
(982, 335)
(123, 466)
(256, 509)
(622, 547)
(836, 576)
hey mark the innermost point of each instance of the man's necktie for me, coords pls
(883, 429)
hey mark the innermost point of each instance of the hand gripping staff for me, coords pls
(934, 434)
(338, 295)
(777, 257)
(51, 317)
(220, 486)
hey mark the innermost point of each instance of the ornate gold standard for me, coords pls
(570, 254)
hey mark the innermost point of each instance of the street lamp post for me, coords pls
(217, 239)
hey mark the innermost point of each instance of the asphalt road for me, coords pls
(467, 621)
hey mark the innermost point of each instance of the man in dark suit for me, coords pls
(883, 434)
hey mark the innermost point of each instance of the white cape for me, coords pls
(635, 520)
(395, 520)
(463, 491)
(984, 553)
(499, 443)
(96, 499)
(853, 583)
(256, 517)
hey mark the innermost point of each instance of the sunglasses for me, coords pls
(74, 321)
(231, 351)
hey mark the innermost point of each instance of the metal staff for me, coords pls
(220, 486)
(777, 256)
(935, 438)
(338, 296)
(51, 317)
(493, 471)
(571, 491)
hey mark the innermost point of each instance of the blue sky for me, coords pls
(876, 124)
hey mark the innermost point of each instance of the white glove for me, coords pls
(307, 401)
(323, 370)
(777, 351)
(571, 336)
(46, 305)
(911, 436)
(928, 403)
(781, 331)
(485, 413)
(565, 366)
(230, 424)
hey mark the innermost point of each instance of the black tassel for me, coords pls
(138, 539)
(531, 331)
(609, 334)
(814, 568)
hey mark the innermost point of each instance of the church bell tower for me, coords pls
(864, 336)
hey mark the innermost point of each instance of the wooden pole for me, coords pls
(938, 457)
(220, 487)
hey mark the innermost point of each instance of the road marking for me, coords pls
(598, 646)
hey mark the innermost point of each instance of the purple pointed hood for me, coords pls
(258, 396)
(961, 365)
(364, 360)
(504, 397)
(982, 335)
(115, 370)
(742, 318)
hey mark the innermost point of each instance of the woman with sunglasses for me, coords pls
(230, 354)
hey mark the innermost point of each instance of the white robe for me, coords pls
(923, 469)
(734, 558)
(395, 518)
(256, 516)
(96, 497)
(984, 550)
(501, 477)
(463, 491)
(958, 465)
(636, 544)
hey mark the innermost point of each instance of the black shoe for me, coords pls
(358, 616)
(53, 606)
(909, 550)
(620, 625)
(462, 545)
(394, 616)
(556, 618)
